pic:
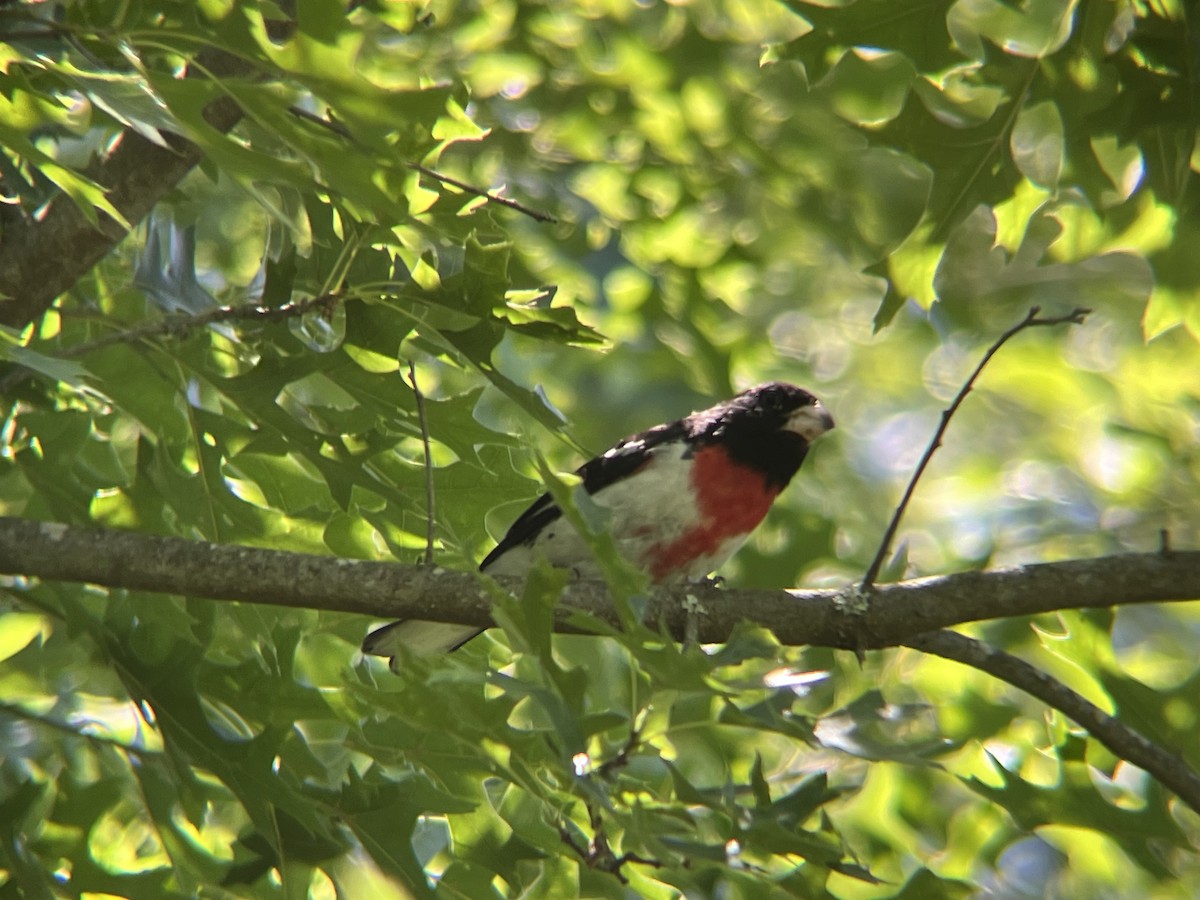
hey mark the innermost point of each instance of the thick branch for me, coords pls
(903, 613)
(896, 612)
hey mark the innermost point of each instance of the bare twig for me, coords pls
(180, 326)
(1031, 320)
(1166, 768)
(569, 840)
(621, 760)
(536, 215)
(430, 522)
(598, 854)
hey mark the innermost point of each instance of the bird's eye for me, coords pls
(772, 402)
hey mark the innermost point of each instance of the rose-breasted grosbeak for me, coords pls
(682, 498)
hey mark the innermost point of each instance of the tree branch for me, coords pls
(902, 613)
(490, 196)
(1167, 768)
(897, 612)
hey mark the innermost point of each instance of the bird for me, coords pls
(682, 498)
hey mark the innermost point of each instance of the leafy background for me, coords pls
(856, 196)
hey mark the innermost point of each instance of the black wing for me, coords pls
(622, 460)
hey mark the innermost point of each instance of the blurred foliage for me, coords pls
(856, 195)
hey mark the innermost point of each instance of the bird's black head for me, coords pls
(768, 427)
(779, 406)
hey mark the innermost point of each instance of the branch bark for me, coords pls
(907, 613)
(894, 613)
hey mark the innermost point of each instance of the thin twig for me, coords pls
(599, 854)
(342, 131)
(621, 760)
(430, 528)
(569, 840)
(1075, 317)
(180, 326)
(536, 215)
(1166, 768)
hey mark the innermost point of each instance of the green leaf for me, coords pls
(1037, 143)
(974, 267)
(85, 193)
(17, 631)
(960, 97)
(1034, 29)
(1074, 800)
(925, 884)
(54, 369)
(529, 620)
(868, 87)
(758, 784)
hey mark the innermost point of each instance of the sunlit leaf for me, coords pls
(1037, 143)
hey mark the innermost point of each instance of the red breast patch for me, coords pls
(732, 500)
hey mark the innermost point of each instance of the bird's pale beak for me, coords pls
(810, 422)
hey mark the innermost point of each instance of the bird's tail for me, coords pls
(417, 637)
